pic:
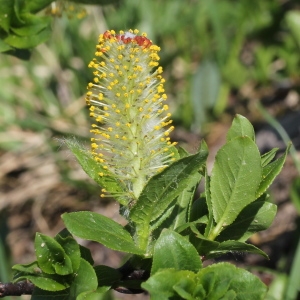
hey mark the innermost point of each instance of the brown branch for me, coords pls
(16, 289)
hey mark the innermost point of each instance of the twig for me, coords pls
(16, 289)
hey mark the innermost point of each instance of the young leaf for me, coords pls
(240, 127)
(95, 227)
(256, 216)
(234, 246)
(51, 256)
(6, 14)
(71, 248)
(171, 250)
(270, 171)
(202, 244)
(45, 283)
(235, 178)
(29, 41)
(216, 277)
(85, 280)
(109, 182)
(267, 157)
(160, 285)
(35, 6)
(164, 187)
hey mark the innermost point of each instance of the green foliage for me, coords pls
(219, 281)
(220, 221)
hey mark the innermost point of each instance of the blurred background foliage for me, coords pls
(219, 58)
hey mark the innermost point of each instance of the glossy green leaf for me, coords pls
(164, 187)
(268, 157)
(184, 288)
(171, 250)
(70, 247)
(85, 280)
(221, 277)
(235, 178)
(255, 217)
(25, 42)
(240, 127)
(45, 283)
(32, 268)
(215, 282)
(95, 227)
(160, 285)
(51, 256)
(270, 171)
(234, 246)
(109, 182)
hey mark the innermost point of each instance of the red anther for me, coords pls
(143, 41)
(107, 34)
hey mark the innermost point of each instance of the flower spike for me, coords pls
(127, 102)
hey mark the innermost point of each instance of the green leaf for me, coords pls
(160, 285)
(171, 250)
(270, 171)
(85, 280)
(210, 223)
(107, 276)
(32, 268)
(185, 288)
(164, 187)
(30, 41)
(235, 178)
(40, 294)
(99, 294)
(234, 246)
(92, 168)
(6, 13)
(268, 157)
(202, 244)
(85, 253)
(45, 283)
(51, 257)
(221, 277)
(32, 27)
(255, 217)
(70, 247)
(4, 47)
(95, 227)
(240, 127)
(35, 6)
